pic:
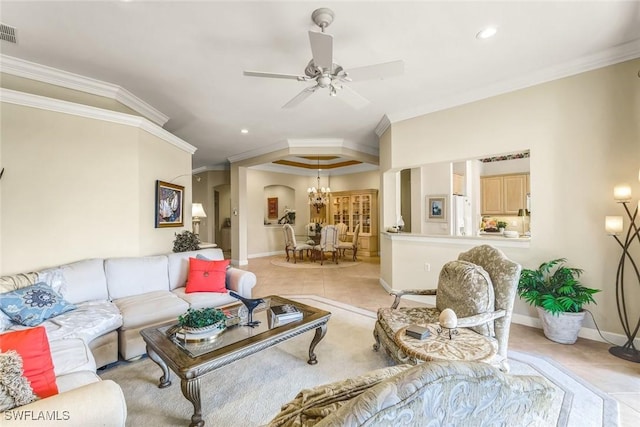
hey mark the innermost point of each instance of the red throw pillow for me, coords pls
(206, 276)
(33, 346)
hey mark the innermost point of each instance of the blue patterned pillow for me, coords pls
(33, 304)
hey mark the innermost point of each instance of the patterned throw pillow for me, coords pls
(34, 304)
(15, 389)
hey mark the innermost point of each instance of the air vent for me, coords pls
(7, 33)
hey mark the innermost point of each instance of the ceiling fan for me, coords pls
(327, 74)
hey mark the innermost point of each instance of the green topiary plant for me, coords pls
(556, 291)
(202, 317)
(186, 241)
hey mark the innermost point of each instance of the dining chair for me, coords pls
(290, 243)
(328, 243)
(352, 245)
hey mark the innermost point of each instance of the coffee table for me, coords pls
(192, 361)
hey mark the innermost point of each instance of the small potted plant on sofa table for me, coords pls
(558, 296)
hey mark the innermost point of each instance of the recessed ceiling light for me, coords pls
(244, 130)
(487, 32)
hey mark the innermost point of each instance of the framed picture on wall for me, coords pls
(169, 205)
(272, 203)
(436, 208)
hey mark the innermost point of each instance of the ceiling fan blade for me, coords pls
(353, 98)
(274, 75)
(376, 71)
(322, 49)
(307, 92)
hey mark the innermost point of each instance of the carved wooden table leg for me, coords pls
(191, 390)
(165, 379)
(320, 333)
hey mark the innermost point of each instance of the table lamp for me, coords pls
(197, 212)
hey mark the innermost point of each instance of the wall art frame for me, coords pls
(272, 203)
(436, 208)
(169, 205)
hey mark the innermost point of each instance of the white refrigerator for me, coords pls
(461, 223)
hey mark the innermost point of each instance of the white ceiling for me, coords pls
(186, 58)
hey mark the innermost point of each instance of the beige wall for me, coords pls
(77, 188)
(584, 136)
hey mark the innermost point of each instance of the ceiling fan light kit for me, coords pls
(328, 74)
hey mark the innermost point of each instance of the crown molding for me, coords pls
(42, 73)
(50, 104)
(332, 143)
(314, 143)
(383, 125)
(258, 152)
(612, 56)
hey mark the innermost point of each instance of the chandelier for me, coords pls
(318, 196)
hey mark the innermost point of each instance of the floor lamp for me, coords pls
(614, 225)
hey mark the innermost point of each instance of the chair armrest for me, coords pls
(240, 281)
(101, 403)
(312, 405)
(400, 294)
(480, 319)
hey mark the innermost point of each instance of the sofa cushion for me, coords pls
(34, 304)
(15, 389)
(88, 321)
(136, 275)
(85, 281)
(17, 281)
(204, 299)
(207, 276)
(75, 380)
(54, 277)
(71, 355)
(149, 308)
(33, 346)
(466, 288)
(179, 264)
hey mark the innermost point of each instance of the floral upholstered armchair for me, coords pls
(480, 287)
(437, 393)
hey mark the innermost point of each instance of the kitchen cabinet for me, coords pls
(358, 207)
(503, 194)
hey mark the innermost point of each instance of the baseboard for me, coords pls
(534, 322)
(265, 254)
(588, 333)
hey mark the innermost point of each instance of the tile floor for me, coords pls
(359, 286)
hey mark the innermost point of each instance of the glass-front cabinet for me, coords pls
(358, 207)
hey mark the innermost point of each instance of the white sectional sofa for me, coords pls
(117, 297)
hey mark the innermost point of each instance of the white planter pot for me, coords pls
(562, 328)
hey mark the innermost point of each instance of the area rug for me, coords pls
(308, 264)
(251, 391)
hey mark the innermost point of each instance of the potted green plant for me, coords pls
(186, 241)
(558, 295)
(502, 225)
(203, 320)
